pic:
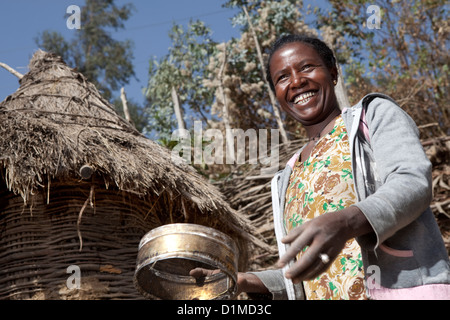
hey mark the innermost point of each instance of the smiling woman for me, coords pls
(304, 84)
(359, 190)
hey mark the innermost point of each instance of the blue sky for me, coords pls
(22, 20)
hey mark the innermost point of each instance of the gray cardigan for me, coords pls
(392, 177)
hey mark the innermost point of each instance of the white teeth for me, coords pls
(304, 97)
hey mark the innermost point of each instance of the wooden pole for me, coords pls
(273, 100)
(226, 116)
(341, 91)
(176, 106)
(14, 72)
(123, 97)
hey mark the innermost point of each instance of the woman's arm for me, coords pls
(403, 169)
(249, 282)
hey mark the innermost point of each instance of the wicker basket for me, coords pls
(39, 243)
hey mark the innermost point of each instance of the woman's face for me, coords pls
(303, 84)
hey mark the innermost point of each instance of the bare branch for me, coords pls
(226, 116)
(14, 72)
(176, 106)
(123, 97)
(275, 106)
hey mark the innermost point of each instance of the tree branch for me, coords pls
(123, 97)
(226, 116)
(14, 72)
(177, 108)
(276, 109)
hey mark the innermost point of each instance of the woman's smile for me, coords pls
(302, 100)
(303, 84)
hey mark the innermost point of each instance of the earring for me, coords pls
(335, 82)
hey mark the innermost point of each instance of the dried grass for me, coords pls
(52, 126)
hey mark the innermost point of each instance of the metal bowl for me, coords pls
(168, 253)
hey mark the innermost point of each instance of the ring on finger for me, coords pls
(324, 258)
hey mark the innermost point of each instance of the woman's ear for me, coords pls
(334, 75)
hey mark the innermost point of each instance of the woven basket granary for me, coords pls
(79, 186)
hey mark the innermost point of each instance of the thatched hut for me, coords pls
(80, 186)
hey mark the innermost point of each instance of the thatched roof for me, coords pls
(57, 122)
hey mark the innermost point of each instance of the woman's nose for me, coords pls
(298, 80)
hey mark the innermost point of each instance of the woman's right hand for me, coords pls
(246, 282)
(199, 273)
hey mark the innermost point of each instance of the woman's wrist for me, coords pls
(248, 282)
(355, 222)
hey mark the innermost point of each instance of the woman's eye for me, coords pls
(282, 77)
(307, 67)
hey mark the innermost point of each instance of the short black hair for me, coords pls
(325, 53)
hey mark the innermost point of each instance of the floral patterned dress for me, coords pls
(324, 183)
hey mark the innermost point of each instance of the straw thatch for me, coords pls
(80, 186)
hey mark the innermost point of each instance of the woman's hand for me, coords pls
(326, 234)
(246, 282)
(202, 273)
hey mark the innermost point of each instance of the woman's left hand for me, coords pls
(326, 234)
